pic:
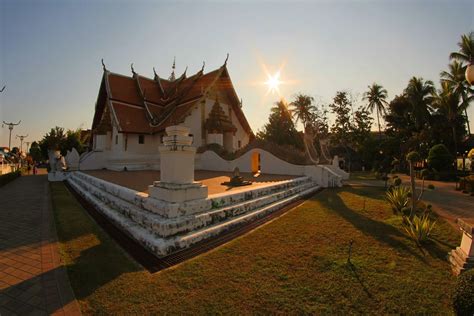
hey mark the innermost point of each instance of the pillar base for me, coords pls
(177, 193)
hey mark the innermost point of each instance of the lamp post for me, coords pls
(21, 137)
(27, 146)
(470, 71)
(10, 127)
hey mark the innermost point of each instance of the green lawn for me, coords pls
(295, 264)
(362, 175)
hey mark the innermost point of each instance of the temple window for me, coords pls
(141, 139)
(116, 139)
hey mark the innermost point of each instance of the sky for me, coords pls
(51, 51)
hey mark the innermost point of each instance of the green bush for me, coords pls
(398, 198)
(430, 187)
(439, 158)
(463, 296)
(5, 178)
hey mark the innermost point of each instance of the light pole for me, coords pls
(21, 137)
(10, 127)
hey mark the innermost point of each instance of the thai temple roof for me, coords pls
(144, 105)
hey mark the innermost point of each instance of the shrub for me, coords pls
(463, 296)
(439, 158)
(4, 179)
(430, 187)
(419, 228)
(398, 198)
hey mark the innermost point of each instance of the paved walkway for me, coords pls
(446, 201)
(32, 280)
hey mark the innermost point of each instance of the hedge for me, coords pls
(5, 178)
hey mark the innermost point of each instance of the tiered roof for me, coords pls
(143, 105)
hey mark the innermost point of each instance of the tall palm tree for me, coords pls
(456, 81)
(448, 102)
(420, 95)
(466, 49)
(303, 109)
(377, 98)
(465, 56)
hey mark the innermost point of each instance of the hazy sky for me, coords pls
(51, 50)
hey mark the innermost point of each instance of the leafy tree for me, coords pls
(59, 139)
(377, 98)
(280, 128)
(341, 108)
(439, 158)
(360, 128)
(35, 152)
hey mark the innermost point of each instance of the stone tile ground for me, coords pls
(32, 280)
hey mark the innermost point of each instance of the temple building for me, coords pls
(132, 112)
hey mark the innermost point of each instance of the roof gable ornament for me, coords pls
(172, 76)
(226, 59)
(203, 65)
(133, 70)
(154, 73)
(103, 65)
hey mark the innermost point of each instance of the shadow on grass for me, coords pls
(93, 258)
(381, 231)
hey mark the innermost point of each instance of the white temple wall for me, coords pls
(215, 139)
(149, 146)
(193, 122)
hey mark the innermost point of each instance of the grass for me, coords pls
(295, 264)
(362, 175)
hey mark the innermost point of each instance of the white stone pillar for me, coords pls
(177, 169)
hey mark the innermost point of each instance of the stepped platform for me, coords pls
(165, 228)
(140, 180)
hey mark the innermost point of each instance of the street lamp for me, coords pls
(470, 71)
(21, 137)
(10, 127)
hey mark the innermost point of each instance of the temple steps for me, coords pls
(164, 235)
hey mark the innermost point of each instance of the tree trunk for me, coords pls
(378, 121)
(467, 122)
(413, 192)
(455, 148)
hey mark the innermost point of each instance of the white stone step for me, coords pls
(164, 227)
(162, 246)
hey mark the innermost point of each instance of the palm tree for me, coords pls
(303, 109)
(456, 81)
(465, 56)
(466, 49)
(447, 101)
(420, 95)
(377, 97)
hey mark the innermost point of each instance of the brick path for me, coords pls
(32, 280)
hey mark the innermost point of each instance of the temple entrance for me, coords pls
(255, 162)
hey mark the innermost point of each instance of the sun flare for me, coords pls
(273, 82)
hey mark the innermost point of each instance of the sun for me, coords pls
(273, 82)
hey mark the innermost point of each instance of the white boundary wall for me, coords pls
(323, 175)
